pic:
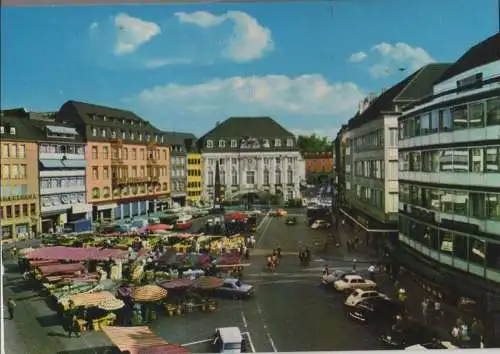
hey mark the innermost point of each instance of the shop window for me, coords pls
(493, 111)
(493, 206)
(476, 115)
(460, 247)
(477, 251)
(493, 255)
(33, 209)
(446, 242)
(459, 117)
(447, 202)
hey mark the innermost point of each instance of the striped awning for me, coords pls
(133, 339)
(90, 299)
(149, 293)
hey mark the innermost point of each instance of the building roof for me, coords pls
(24, 129)
(482, 53)
(417, 85)
(422, 83)
(179, 138)
(239, 127)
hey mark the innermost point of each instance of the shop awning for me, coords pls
(76, 253)
(52, 163)
(75, 163)
(90, 299)
(136, 340)
(53, 269)
(176, 284)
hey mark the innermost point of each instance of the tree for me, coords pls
(314, 143)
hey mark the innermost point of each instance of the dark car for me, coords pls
(291, 220)
(408, 333)
(379, 311)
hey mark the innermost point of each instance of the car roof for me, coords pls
(231, 280)
(353, 276)
(230, 334)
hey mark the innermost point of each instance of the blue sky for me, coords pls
(186, 67)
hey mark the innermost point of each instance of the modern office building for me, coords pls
(128, 160)
(370, 167)
(449, 179)
(255, 155)
(19, 204)
(180, 144)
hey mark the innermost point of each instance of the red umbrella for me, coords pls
(159, 227)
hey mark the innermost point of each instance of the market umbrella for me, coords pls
(111, 304)
(176, 284)
(208, 283)
(159, 227)
(149, 293)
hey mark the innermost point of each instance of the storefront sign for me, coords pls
(81, 208)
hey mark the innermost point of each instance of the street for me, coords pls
(289, 312)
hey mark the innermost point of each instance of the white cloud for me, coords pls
(357, 57)
(306, 95)
(160, 62)
(249, 39)
(132, 32)
(93, 26)
(399, 56)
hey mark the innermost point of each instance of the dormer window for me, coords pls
(2, 130)
(132, 123)
(156, 138)
(222, 144)
(132, 136)
(123, 121)
(277, 143)
(103, 133)
(148, 137)
(124, 135)
(140, 137)
(94, 117)
(104, 118)
(266, 143)
(140, 124)
(210, 144)
(12, 131)
(94, 131)
(162, 139)
(289, 142)
(113, 134)
(234, 143)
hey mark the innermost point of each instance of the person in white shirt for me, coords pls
(371, 270)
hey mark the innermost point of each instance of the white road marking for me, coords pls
(250, 341)
(263, 233)
(268, 335)
(262, 222)
(244, 319)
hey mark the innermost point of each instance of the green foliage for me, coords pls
(314, 143)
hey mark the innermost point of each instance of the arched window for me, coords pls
(106, 192)
(222, 177)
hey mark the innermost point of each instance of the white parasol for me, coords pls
(111, 304)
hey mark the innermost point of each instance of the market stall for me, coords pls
(140, 340)
(205, 287)
(147, 299)
(178, 295)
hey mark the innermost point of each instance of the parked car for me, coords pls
(378, 311)
(234, 288)
(351, 282)
(332, 277)
(359, 295)
(433, 345)
(407, 334)
(320, 224)
(291, 220)
(228, 340)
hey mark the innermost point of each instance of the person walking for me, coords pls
(425, 310)
(476, 333)
(371, 271)
(11, 305)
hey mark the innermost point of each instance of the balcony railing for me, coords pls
(152, 160)
(66, 189)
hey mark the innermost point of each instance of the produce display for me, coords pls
(63, 294)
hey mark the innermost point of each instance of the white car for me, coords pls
(429, 346)
(332, 277)
(359, 295)
(320, 224)
(353, 281)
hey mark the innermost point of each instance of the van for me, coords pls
(228, 340)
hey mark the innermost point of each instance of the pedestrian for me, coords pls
(425, 310)
(74, 327)
(476, 333)
(438, 313)
(371, 271)
(11, 305)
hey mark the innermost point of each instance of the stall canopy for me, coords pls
(77, 254)
(52, 269)
(90, 299)
(176, 284)
(149, 293)
(139, 340)
(228, 259)
(207, 283)
(159, 227)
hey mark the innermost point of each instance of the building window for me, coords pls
(492, 159)
(446, 242)
(459, 116)
(493, 255)
(94, 153)
(266, 177)
(210, 178)
(33, 209)
(493, 206)
(445, 121)
(277, 176)
(476, 161)
(210, 144)
(250, 177)
(222, 177)
(13, 151)
(290, 176)
(94, 131)
(277, 143)
(493, 111)
(222, 144)
(105, 192)
(95, 173)
(103, 133)
(105, 152)
(17, 211)
(105, 172)
(134, 154)
(289, 142)
(5, 151)
(21, 151)
(12, 131)
(234, 177)
(234, 143)
(477, 205)
(476, 115)
(125, 153)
